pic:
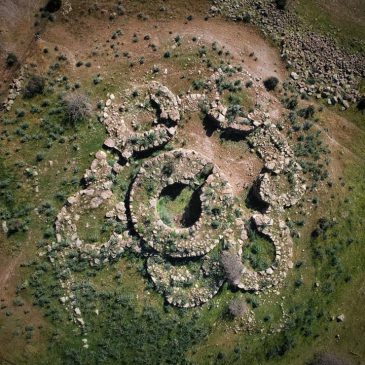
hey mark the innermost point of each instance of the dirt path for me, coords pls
(17, 36)
(8, 268)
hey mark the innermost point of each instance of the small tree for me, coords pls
(237, 308)
(361, 104)
(271, 83)
(34, 86)
(77, 106)
(11, 59)
(53, 6)
(281, 4)
(232, 266)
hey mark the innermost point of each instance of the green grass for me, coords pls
(346, 29)
(260, 253)
(171, 207)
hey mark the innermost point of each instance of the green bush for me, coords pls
(11, 59)
(281, 4)
(271, 83)
(34, 86)
(53, 6)
(361, 104)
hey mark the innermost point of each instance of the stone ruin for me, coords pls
(165, 107)
(183, 262)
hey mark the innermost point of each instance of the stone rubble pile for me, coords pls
(14, 90)
(319, 67)
(218, 113)
(164, 126)
(181, 286)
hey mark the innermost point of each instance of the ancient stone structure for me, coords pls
(281, 184)
(184, 262)
(163, 106)
(97, 193)
(190, 169)
(278, 233)
(230, 119)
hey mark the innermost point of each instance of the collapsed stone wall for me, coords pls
(184, 263)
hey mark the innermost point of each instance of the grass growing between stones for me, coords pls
(127, 321)
(176, 206)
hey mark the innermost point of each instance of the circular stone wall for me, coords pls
(187, 168)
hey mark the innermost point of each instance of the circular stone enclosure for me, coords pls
(180, 211)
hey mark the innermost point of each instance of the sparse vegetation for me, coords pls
(45, 153)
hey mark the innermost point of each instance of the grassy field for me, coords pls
(345, 21)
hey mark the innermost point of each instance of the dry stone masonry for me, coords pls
(163, 107)
(184, 262)
(189, 169)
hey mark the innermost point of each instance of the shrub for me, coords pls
(281, 4)
(11, 59)
(361, 104)
(291, 103)
(34, 86)
(232, 266)
(77, 106)
(215, 224)
(237, 307)
(271, 83)
(307, 113)
(246, 18)
(168, 169)
(53, 6)
(39, 157)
